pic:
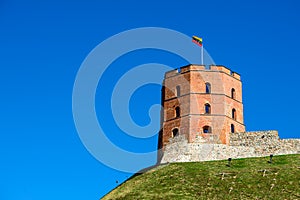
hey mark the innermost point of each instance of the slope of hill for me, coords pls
(251, 178)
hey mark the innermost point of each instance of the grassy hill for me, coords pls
(251, 178)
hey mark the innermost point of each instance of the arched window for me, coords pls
(206, 129)
(233, 114)
(233, 93)
(232, 128)
(177, 111)
(177, 90)
(207, 88)
(207, 108)
(175, 132)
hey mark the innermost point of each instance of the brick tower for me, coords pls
(201, 103)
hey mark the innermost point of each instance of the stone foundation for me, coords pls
(242, 145)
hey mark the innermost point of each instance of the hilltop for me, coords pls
(249, 178)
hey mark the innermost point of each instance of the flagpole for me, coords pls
(202, 55)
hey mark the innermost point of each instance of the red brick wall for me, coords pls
(193, 97)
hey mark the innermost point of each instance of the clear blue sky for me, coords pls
(42, 46)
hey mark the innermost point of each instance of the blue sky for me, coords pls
(42, 46)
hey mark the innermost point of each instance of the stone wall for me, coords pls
(242, 145)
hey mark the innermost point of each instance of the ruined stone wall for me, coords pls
(265, 142)
(242, 145)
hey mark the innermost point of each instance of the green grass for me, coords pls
(251, 178)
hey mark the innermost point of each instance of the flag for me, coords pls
(197, 40)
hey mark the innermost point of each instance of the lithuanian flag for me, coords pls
(197, 40)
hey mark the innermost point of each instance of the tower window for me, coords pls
(207, 109)
(207, 88)
(177, 111)
(233, 93)
(175, 132)
(232, 128)
(177, 90)
(233, 114)
(206, 129)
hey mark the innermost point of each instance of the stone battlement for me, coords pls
(242, 145)
(194, 67)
